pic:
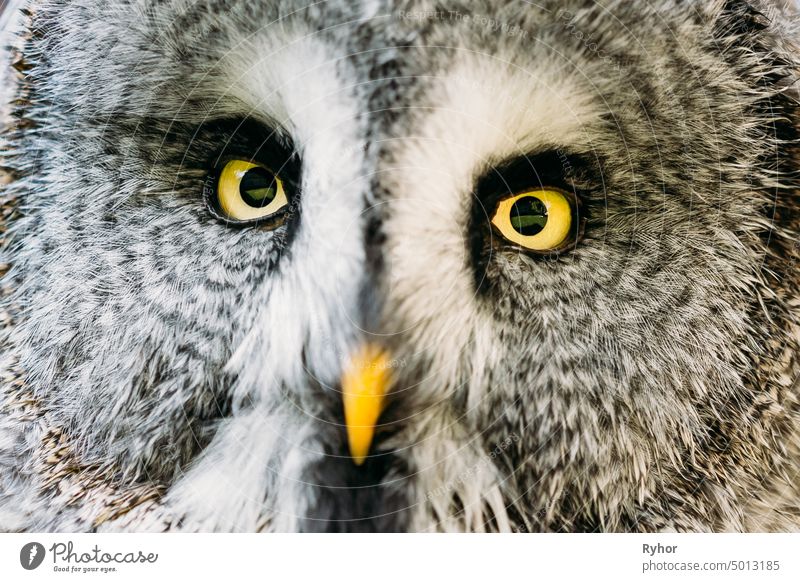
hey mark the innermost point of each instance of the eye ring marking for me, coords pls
(538, 220)
(247, 192)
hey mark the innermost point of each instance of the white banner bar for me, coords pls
(399, 557)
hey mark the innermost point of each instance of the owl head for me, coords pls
(358, 266)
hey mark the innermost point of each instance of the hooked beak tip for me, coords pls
(365, 383)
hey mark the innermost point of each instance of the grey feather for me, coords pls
(164, 370)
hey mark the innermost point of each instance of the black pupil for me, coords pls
(528, 216)
(258, 187)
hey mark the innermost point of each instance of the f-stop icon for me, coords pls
(31, 555)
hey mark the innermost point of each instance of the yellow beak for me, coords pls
(364, 385)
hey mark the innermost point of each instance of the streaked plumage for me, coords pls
(165, 370)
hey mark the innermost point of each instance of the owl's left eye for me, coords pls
(542, 220)
(248, 192)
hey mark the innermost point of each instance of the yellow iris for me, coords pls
(539, 220)
(248, 191)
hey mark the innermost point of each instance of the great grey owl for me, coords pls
(371, 265)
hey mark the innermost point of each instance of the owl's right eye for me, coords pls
(247, 192)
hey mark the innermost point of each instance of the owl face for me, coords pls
(381, 266)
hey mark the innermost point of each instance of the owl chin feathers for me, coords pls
(574, 252)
